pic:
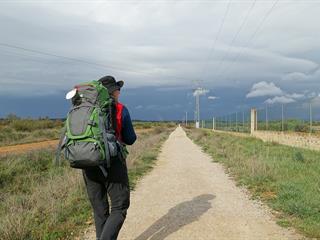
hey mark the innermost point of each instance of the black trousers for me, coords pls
(108, 222)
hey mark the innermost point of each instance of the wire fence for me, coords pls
(292, 117)
(236, 122)
(303, 117)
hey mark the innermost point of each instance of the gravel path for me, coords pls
(187, 196)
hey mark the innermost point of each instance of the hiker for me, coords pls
(116, 185)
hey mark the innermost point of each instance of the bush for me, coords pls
(299, 157)
(301, 128)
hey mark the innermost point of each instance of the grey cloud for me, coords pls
(155, 44)
(316, 101)
(295, 77)
(163, 107)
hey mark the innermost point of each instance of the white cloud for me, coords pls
(280, 99)
(276, 94)
(295, 95)
(286, 98)
(139, 107)
(200, 92)
(213, 97)
(263, 88)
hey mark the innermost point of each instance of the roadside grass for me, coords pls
(286, 178)
(41, 201)
(147, 125)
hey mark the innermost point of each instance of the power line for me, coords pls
(12, 52)
(235, 59)
(60, 56)
(237, 34)
(213, 46)
(12, 46)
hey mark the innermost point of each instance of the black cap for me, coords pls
(110, 83)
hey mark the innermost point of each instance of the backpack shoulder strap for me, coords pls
(102, 126)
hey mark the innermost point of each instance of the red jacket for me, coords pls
(119, 107)
(124, 131)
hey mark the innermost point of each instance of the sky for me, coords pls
(242, 53)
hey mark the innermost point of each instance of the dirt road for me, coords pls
(186, 196)
(25, 147)
(28, 147)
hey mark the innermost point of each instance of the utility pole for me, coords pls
(213, 127)
(197, 93)
(198, 108)
(266, 116)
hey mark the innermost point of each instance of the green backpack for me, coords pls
(89, 137)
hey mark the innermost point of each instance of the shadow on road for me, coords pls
(177, 217)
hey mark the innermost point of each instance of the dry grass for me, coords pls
(37, 197)
(41, 201)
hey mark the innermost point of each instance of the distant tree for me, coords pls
(12, 116)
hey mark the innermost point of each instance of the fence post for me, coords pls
(237, 130)
(282, 118)
(310, 118)
(253, 120)
(213, 124)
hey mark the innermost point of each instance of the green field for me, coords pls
(286, 178)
